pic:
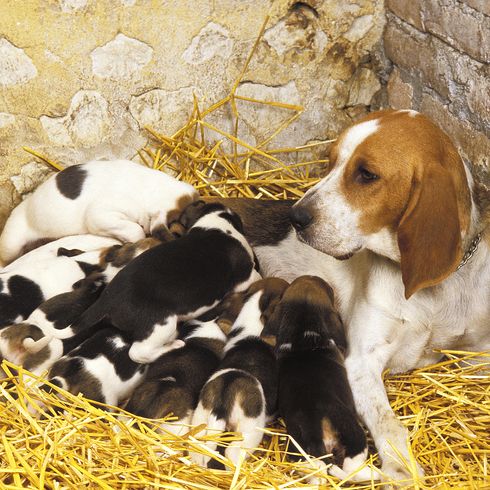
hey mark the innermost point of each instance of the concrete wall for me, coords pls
(80, 78)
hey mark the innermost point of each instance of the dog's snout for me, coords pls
(300, 217)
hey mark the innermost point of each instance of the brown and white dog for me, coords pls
(401, 208)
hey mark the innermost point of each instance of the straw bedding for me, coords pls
(446, 407)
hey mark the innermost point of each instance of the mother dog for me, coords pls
(399, 212)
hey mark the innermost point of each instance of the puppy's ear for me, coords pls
(429, 233)
(337, 331)
(162, 234)
(192, 213)
(68, 252)
(109, 254)
(230, 308)
(235, 220)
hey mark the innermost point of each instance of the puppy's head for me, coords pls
(272, 289)
(306, 317)
(398, 187)
(120, 255)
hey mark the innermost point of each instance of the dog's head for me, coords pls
(306, 317)
(398, 187)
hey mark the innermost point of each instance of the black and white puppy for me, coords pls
(25, 343)
(117, 198)
(241, 396)
(314, 395)
(177, 280)
(174, 381)
(99, 368)
(44, 273)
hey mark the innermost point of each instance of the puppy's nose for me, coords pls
(300, 217)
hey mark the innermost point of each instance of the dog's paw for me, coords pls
(398, 475)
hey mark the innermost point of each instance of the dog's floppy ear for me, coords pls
(429, 233)
(192, 213)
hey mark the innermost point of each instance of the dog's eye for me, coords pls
(366, 176)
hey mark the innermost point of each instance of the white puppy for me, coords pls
(119, 198)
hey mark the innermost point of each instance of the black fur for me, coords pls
(23, 298)
(70, 181)
(173, 278)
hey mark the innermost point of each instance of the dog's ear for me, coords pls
(429, 233)
(235, 220)
(192, 213)
(109, 254)
(273, 290)
(68, 252)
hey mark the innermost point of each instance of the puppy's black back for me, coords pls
(177, 277)
(313, 388)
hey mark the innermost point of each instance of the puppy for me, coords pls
(174, 381)
(25, 343)
(99, 368)
(42, 274)
(177, 280)
(119, 198)
(314, 395)
(241, 395)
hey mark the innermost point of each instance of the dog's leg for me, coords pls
(365, 364)
(160, 340)
(391, 438)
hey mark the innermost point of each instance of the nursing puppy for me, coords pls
(25, 343)
(314, 395)
(42, 274)
(177, 280)
(174, 381)
(99, 368)
(242, 395)
(118, 198)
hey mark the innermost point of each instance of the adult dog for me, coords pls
(398, 210)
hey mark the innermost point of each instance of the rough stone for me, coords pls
(31, 175)
(460, 29)
(298, 30)
(6, 119)
(213, 40)
(400, 94)
(123, 57)
(363, 87)
(85, 124)
(70, 6)
(15, 66)
(480, 5)
(474, 146)
(410, 11)
(164, 110)
(359, 28)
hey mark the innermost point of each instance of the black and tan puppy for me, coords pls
(242, 395)
(314, 396)
(174, 381)
(178, 280)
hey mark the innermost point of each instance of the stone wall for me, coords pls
(440, 50)
(80, 78)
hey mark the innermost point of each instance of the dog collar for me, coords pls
(471, 250)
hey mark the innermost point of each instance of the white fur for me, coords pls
(119, 199)
(113, 388)
(386, 331)
(208, 330)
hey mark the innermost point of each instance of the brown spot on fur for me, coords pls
(331, 441)
(35, 244)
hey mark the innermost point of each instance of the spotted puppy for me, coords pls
(314, 395)
(25, 343)
(174, 381)
(177, 280)
(242, 395)
(43, 273)
(99, 368)
(118, 198)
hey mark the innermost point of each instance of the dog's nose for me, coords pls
(300, 217)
